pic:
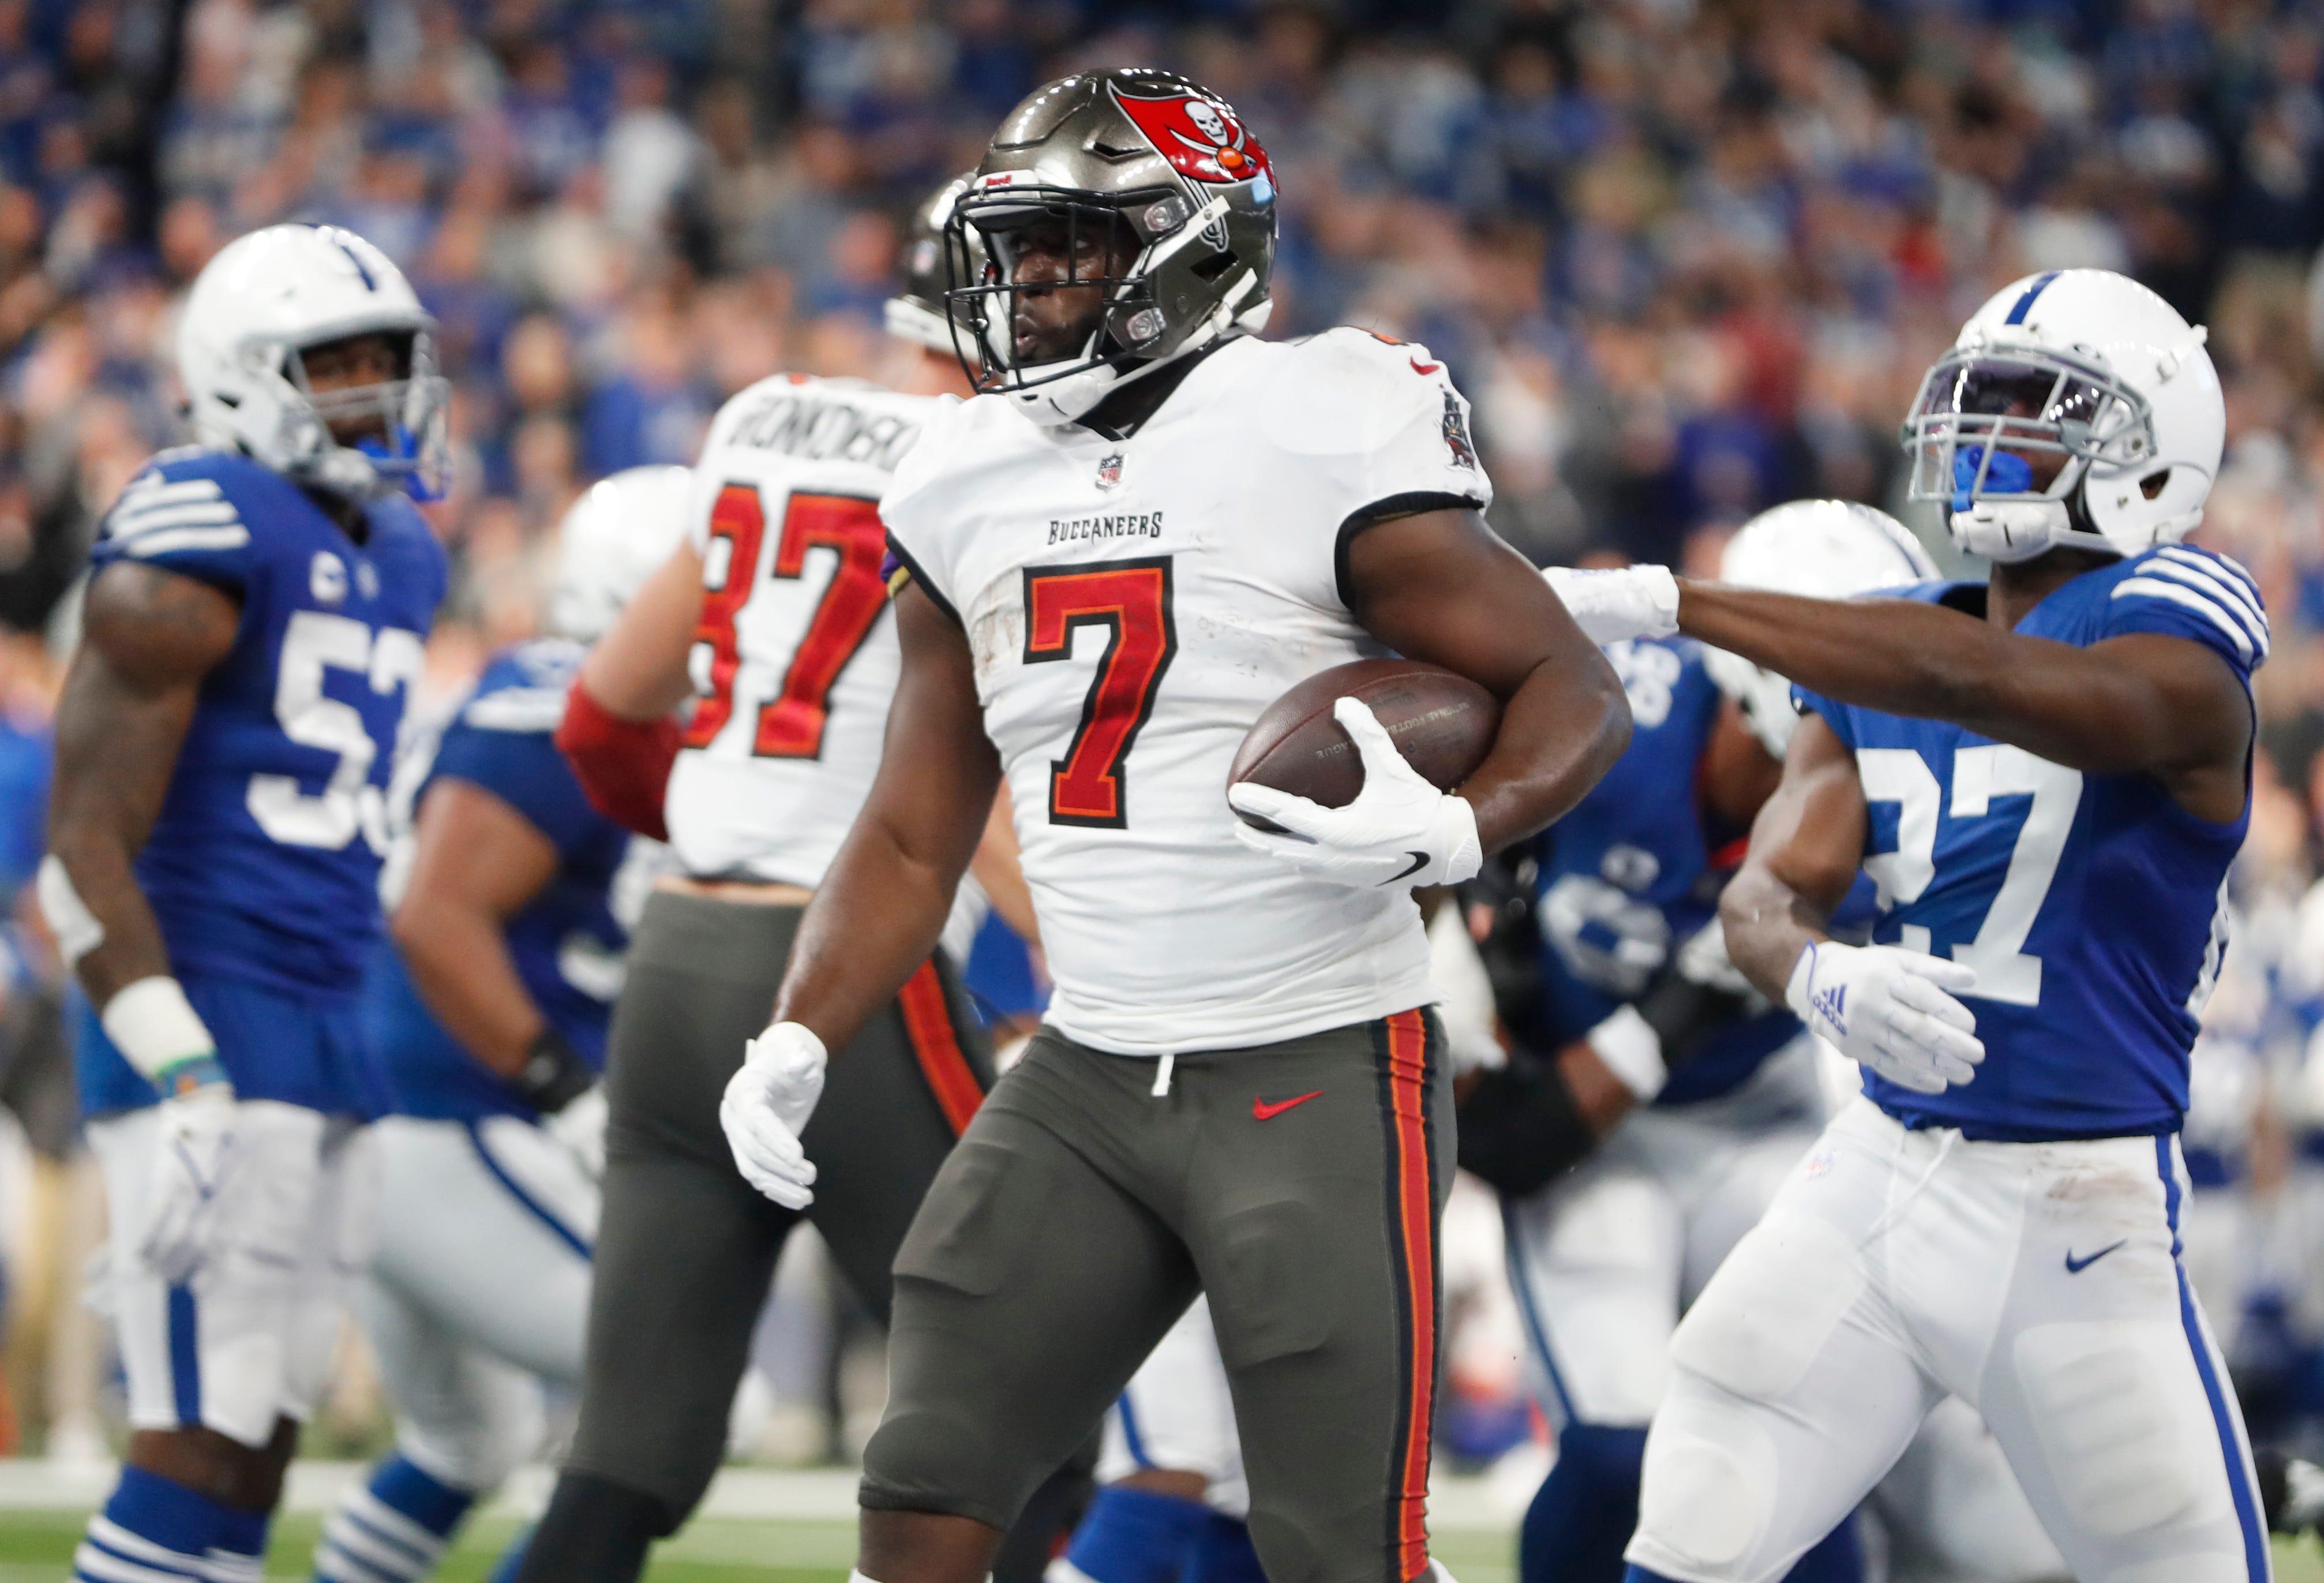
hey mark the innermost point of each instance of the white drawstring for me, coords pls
(1162, 1076)
(1944, 1147)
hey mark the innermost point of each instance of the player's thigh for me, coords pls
(2105, 1389)
(1177, 1414)
(685, 1246)
(1029, 1288)
(893, 1103)
(464, 1417)
(1793, 1386)
(222, 1350)
(1953, 1498)
(489, 1226)
(1315, 1230)
(1594, 1260)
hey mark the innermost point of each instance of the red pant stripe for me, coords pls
(928, 1023)
(1415, 1233)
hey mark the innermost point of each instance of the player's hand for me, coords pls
(579, 1129)
(1890, 1009)
(1634, 601)
(1399, 829)
(195, 1156)
(766, 1108)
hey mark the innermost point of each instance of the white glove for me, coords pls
(1632, 601)
(1887, 1008)
(766, 1107)
(579, 1129)
(1399, 829)
(195, 1156)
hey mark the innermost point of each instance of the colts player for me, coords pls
(2047, 775)
(252, 631)
(1148, 527)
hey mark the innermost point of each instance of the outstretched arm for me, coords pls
(149, 636)
(2141, 703)
(1439, 586)
(878, 912)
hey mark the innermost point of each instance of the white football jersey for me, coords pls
(794, 661)
(1132, 607)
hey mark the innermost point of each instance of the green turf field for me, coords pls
(37, 1548)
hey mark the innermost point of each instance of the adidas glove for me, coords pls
(1634, 601)
(1890, 1009)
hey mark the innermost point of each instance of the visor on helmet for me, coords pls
(1981, 417)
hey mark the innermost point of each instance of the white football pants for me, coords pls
(1177, 1413)
(479, 1289)
(2039, 1283)
(249, 1338)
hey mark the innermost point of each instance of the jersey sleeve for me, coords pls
(183, 512)
(913, 511)
(2184, 592)
(520, 764)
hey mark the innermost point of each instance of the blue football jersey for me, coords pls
(1635, 868)
(2091, 906)
(263, 866)
(568, 943)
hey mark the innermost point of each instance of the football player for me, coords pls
(1148, 527)
(2047, 775)
(772, 617)
(252, 629)
(510, 900)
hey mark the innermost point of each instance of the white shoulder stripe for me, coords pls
(2213, 586)
(2221, 570)
(125, 523)
(166, 540)
(2179, 594)
(517, 709)
(160, 492)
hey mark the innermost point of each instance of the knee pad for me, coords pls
(1709, 1489)
(1768, 1311)
(2122, 1424)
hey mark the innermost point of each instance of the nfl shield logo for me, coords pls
(1109, 471)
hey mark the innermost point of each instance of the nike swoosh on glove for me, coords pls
(766, 1107)
(1399, 829)
(196, 1154)
(1632, 601)
(1891, 1010)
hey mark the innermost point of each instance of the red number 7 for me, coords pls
(1131, 599)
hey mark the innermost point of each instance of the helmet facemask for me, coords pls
(370, 438)
(1984, 427)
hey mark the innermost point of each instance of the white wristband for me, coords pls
(1632, 1051)
(153, 1023)
(77, 930)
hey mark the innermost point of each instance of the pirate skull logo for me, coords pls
(1201, 138)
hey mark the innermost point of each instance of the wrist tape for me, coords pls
(1632, 1051)
(154, 1026)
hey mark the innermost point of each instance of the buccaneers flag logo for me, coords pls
(1202, 138)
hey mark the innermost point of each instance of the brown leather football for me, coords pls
(1442, 722)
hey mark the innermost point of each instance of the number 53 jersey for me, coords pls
(1132, 606)
(2092, 907)
(263, 865)
(794, 660)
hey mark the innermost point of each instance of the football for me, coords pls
(1442, 722)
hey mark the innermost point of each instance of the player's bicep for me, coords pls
(476, 853)
(1440, 586)
(2140, 703)
(938, 768)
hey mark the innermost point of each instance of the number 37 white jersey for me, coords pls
(1132, 607)
(794, 660)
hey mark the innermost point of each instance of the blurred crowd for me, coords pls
(1689, 258)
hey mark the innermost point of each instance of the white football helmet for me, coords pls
(1823, 550)
(615, 537)
(272, 295)
(2083, 363)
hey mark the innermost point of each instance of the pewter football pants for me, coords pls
(2039, 1283)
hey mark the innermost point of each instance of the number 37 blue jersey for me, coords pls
(2091, 906)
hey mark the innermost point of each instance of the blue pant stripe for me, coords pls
(2255, 1550)
(1535, 1332)
(185, 1357)
(539, 1211)
(1129, 1431)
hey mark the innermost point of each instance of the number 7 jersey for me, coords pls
(794, 660)
(2092, 907)
(1132, 606)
